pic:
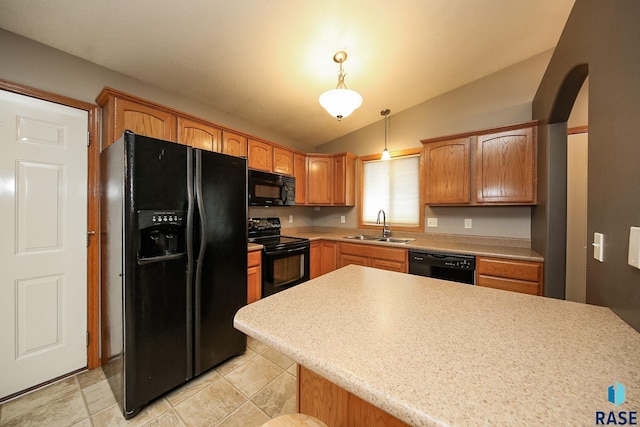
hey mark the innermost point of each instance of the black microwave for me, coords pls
(271, 189)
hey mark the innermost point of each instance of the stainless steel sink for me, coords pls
(394, 240)
(362, 237)
(379, 239)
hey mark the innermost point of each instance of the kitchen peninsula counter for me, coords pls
(431, 352)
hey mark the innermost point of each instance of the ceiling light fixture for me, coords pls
(340, 102)
(385, 153)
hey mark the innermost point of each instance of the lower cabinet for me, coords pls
(509, 275)
(323, 257)
(394, 259)
(254, 276)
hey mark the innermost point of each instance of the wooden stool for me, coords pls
(294, 420)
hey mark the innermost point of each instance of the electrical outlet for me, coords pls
(432, 222)
(290, 219)
(468, 223)
(342, 219)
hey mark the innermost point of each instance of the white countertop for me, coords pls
(431, 352)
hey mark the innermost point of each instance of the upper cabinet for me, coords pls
(506, 168)
(197, 134)
(300, 174)
(331, 179)
(260, 155)
(490, 167)
(447, 166)
(282, 161)
(122, 112)
(233, 144)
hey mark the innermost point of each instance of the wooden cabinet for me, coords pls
(447, 166)
(260, 155)
(282, 161)
(331, 179)
(233, 144)
(394, 259)
(344, 178)
(319, 180)
(509, 275)
(300, 174)
(505, 167)
(489, 167)
(254, 276)
(199, 135)
(121, 112)
(324, 255)
(335, 406)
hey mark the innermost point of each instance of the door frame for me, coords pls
(93, 193)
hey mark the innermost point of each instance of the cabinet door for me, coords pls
(254, 276)
(143, 120)
(300, 173)
(315, 262)
(282, 161)
(505, 167)
(260, 155)
(447, 177)
(319, 184)
(199, 135)
(344, 172)
(234, 145)
(329, 256)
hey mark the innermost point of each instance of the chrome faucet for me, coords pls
(386, 231)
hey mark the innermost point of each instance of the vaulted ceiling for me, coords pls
(267, 61)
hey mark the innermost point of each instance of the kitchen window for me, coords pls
(393, 186)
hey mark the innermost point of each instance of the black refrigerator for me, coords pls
(173, 264)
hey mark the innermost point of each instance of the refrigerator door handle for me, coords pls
(190, 261)
(201, 252)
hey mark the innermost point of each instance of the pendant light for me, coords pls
(385, 153)
(340, 102)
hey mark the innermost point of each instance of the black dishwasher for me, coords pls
(454, 267)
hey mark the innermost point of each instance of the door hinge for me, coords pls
(87, 338)
(88, 139)
(89, 234)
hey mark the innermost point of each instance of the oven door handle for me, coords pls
(286, 251)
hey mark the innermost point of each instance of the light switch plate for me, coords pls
(342, 219)
(468, 223)
(290, 219)
(432, 222)
(634, 247)
(598, 246)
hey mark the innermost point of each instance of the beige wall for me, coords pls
(33, 64)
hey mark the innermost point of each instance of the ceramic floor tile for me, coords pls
(90, 377)
(192, 387)
(293, 369)
(232, 364)
(255, 345)
(250, 377)
(112, 416)
(98, 396)
(168, 419)
(247, 415)
(278, 397)
(210, 405)
(278, 358)
(46, 395)
(65, 411)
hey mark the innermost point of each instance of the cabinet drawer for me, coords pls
(385, 264)
(372, 251)
(522, 270)
(514, 285)
(254, 258)
(346, 259)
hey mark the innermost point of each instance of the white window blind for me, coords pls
(394, 186)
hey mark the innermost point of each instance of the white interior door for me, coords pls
(576, 274)
(43, 254)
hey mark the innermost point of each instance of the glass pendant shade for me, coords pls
(385, 155)
(340, 103)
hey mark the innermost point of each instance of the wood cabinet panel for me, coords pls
(199, 135)
(300, 173)
(260, 155)
(336, 407)
(233, 144)
(348, 259)
(447, 171)
(320, 176)
(315, 262)
(505, 167)
(344, 176)
(329, 256)
(394, 259)
(254, 276)
(511, 275)
(282, 161)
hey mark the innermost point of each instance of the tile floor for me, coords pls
(245, 391)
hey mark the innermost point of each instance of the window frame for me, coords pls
(394, 155)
